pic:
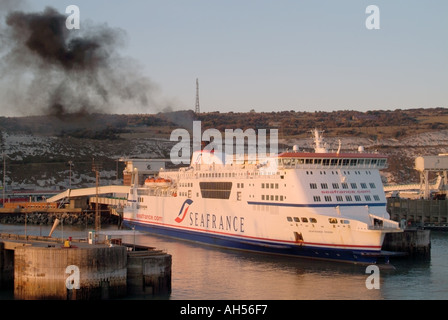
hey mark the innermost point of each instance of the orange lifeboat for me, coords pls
(149, 181)
(161, 182)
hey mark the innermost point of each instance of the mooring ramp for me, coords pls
(83, 192)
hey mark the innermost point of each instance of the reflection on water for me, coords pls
(204, 272)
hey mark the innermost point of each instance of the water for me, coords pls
(202, 272)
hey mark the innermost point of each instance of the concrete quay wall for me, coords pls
(415, 242)
(149, 273)
(44, 268)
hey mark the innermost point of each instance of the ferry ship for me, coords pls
(321, 204)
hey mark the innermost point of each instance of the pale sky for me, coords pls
(280, 55)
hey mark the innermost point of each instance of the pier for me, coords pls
(416, 243)
(39, 267)
(424, 213)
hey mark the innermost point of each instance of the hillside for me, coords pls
(38, 149)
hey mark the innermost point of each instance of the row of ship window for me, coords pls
(333, 162)
(313, 220)
(347, 198)
(344, 185)
(367, 172)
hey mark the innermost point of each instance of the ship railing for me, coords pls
(249, 173)
(331, 163)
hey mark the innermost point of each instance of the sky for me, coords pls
(267, 55)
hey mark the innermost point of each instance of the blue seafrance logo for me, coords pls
(182, 213)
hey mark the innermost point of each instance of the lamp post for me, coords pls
(70, 164)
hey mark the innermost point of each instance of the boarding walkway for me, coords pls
(85, 192)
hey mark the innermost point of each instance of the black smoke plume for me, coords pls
(49, 69)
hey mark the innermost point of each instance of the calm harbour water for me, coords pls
(202, 272)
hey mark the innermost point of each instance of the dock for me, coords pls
(423, 213)
(414, 242)
(41, 267)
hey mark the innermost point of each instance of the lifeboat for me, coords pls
(149, 181)
(157, 182)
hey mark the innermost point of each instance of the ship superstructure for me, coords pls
(321, 204)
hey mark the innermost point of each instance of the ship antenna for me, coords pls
(317, 141)
(197, 109)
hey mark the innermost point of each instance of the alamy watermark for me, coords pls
(234, 150)
(73, 280)
(373, 20)
(73, 20)
(373, 281)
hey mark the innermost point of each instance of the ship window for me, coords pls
(344, 221)
(304, 219)
(353, 162)
(354, 186)
(335, 185)
(313, 220)
(276, 198)
(377, 198)
(316, 198)
(262, 197)
(324, 186)
(358, 198)
(313, 185)
(368, 198)
(326, 162)
(339, 198)
(344, 185)
(215, 190)
(289, 219)
(372, 185)
(272, 198)
(333, 220)
(348, 198)
(363, 185)
(296, 219)
(281, 198)
(262, 186)
(328, 198)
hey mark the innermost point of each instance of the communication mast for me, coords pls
(96, 167)
(197, 109)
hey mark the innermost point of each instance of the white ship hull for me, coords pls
(211, 222)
